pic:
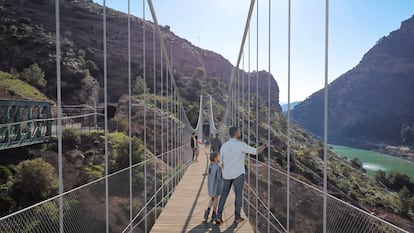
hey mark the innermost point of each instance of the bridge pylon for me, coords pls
(205, 124)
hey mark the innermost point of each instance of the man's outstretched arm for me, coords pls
(251, 150)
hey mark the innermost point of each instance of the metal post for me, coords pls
(155, 122)
(59, 113)
(168, 128)
(248, 129)
(257, 115)
(162, 130)
(106, 119)
(268, 121)
(145, 117)
(288, 127)
(325, 122)
(129, 118)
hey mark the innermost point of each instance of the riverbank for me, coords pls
(402, 152)
(373, 161)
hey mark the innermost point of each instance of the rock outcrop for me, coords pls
(372, 103)
(28, 37)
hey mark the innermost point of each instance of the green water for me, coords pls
(373, 161)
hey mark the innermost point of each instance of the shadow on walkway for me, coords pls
(187, 221)
(209, 227)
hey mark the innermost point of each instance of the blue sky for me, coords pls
(217, 25)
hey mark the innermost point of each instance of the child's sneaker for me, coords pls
(214, 216)
(206, 213)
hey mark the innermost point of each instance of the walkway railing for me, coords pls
(84, 206)
(306, 207)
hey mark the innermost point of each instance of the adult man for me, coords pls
(232, 155)
(215, 143)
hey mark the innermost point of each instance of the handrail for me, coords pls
(331, 196)
(49, 119)
(88, 184)
(153, 196)
(266, 207)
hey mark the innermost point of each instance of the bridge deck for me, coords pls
(185, 210)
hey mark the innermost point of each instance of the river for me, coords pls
(373, 161)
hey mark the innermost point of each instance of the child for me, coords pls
(215, 184)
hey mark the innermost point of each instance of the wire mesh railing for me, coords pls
(305, 207)
(84, 206)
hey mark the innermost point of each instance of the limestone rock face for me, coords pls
(373, 102)
(32, 41)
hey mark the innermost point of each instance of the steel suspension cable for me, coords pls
(243, 101)
(167, 122)
(288, 126)
(162, 129)
(325, 121)
(257, 111)
(268, 117)
(129, 115)
(145, 113)
(155, 116)
(238, 99)
(106, 119)
(249, 121)
(59, 112)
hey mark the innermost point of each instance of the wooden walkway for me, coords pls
(184, 211)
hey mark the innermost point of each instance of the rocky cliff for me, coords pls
(28, 34)
(372, 103)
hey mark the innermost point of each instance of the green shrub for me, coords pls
(71, 138)
(7, 205)
(5, 175)
(19, 87)
(93, 172)
(34, 76)
(92, 67)
(139, 86)
(119, 154)
(356, 163)
(403, 204)
(35, 180)
(3, 28)
(28, 29)
(13, 29)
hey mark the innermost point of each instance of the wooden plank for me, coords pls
(184, 211)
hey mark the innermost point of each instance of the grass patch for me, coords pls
(20, 88)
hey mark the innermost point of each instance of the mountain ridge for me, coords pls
(81, 30)
(371, 103)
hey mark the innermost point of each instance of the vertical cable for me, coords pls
(129, 116)
(243, 111)
(59, 112)
(172, 124)
(162, 130)
(155, 121)
(237, 98)
(249, 121)
(325, 121)
(145, 115)
(167, 89)
(243, 100)
(106, 119)
(257, 114)
(288, 127)
(268, 119)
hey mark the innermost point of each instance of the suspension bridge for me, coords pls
(166, 191)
